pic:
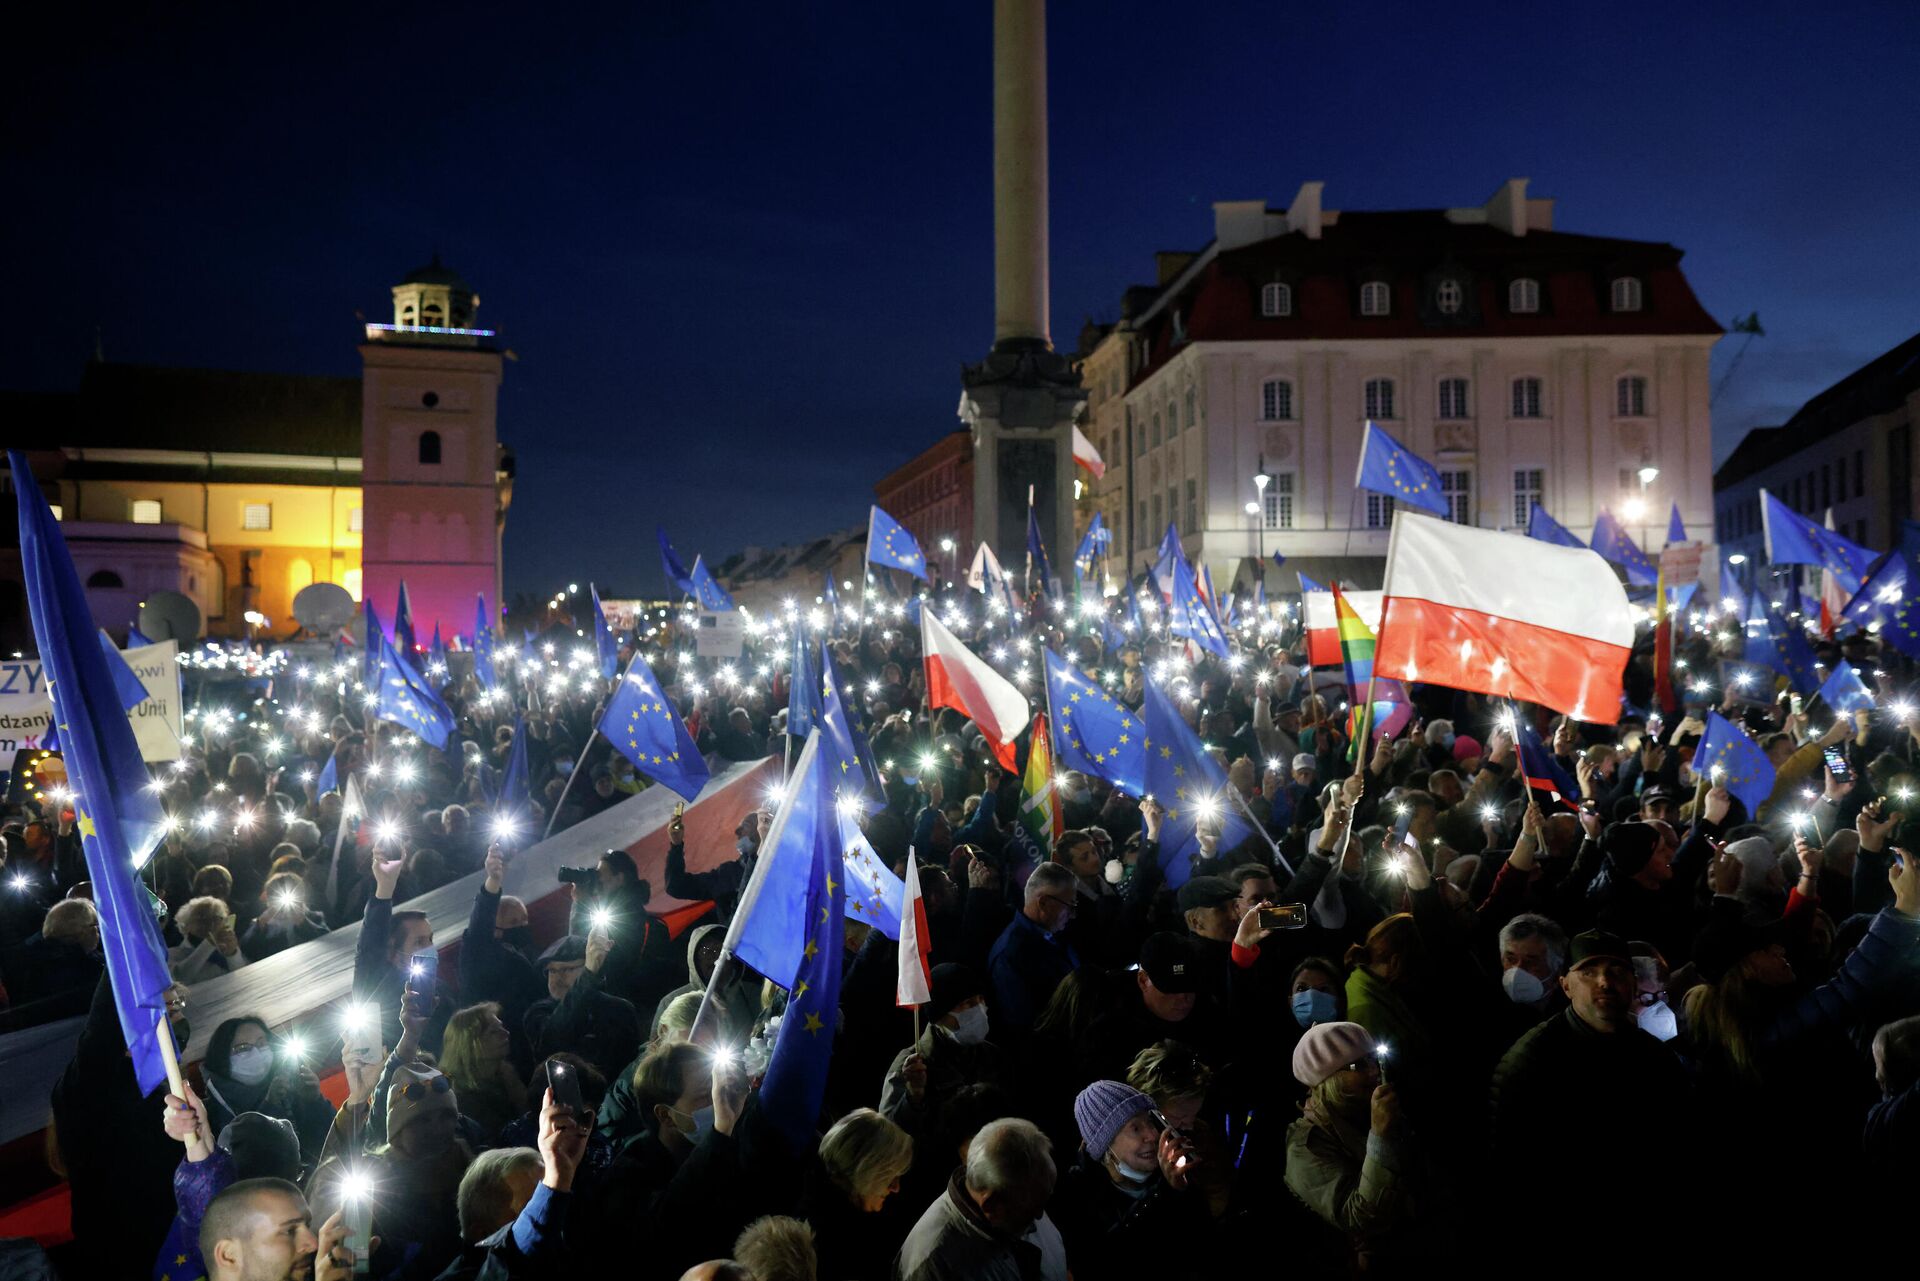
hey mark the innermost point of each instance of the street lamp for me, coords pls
(1261, 479)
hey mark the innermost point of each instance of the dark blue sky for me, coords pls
(742, 250)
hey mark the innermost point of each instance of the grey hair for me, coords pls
(864, 1152)
(1048, 876)
(1532, 925)
(1009, 1155)
(777, 1248)
(199, 916)
(1437, 730)
(485, 1200)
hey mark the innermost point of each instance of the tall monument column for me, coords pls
(1020, 402)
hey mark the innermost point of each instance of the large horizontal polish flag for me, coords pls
(957, 678)
(1323, 624)
(1495, 613)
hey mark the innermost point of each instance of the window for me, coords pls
(356, 519)
(1826, 484)
(1379, 511)
(1859, 473)
(1456, 486)
(1523, 296)
(1379, 398)
(1193, 507)
(1190, 414)
(1154, 439)
(1840, 477)
(1141, 529)
(1280, 501)
(1276, 400)
(1156, 524)
(1453, 398)
(1376, 298)
(1276, 299)
(1529, 491)
(1173, 420)
(1139, 436)
(351, 581)
(1526, 398)
(1173, 504)
(1630, 397)
(256, 516)
(146, 511)
(1449, 297)
(104, 578)
(1626, 294)
(430, 447)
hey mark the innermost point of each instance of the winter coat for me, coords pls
(1111, 1234)
(951, 1242)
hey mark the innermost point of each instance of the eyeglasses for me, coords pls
(1066, 903)
(1649, 998)
(414, 1091)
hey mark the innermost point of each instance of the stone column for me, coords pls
(1020, 292)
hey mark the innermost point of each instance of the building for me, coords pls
(932, 496)
(1848, 451)
(1531, 366)
(763, 580)
(239, 489)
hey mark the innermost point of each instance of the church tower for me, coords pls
(435, 480)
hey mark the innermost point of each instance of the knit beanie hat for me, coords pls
(1325, 1048)
(415, 1091)
(1629, 847)
(1757, 863)
(951, 984)
(262, 1147)
(1465, 747)
(1103, 1110)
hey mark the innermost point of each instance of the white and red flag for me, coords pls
(1495, 613)
(1323, 623)
(916, 971)
(1086, 455)
(957, 678)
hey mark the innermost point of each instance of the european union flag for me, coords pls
(1308, 585)
(483, 644)
(1390, 468)
(707, 590)
(603, 637)
(1279, 561)
(1537, 766)
(1730, 589)
(1037, 551)
(1884, 594)
(644, 726)
(1729, 757)
(1792, 654)
(437, 652)
(670, 565)
(1190, 785)
(406, 698)
(803, 687)
(1096, 540)
(136, 637)
(889, 544)
(1546, 529)
(789, 929)
(1093, 732)
(874, 893)
(1845, 692)
(119, 821)
(1191, 616)
(1793, 539)
(1171, 554)
(1610, 539)
(403, 639)
(843, 736)
(329, 780)
(1676, 528)
(831, 594)
(516, 793)
(376, 634)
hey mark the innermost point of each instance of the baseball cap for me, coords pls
(1598, 945)
(1169, 961)
(1206, 891)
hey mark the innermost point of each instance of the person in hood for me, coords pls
(736, 1002)
(953, 1052)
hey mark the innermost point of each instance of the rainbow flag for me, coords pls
(1039, 803)
(1377, 705)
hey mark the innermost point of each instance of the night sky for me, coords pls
(742, 250)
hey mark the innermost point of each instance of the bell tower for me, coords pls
(435, 481)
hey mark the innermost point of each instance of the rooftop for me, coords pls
(151, 407)
(1876, 387)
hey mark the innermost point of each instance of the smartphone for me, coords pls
(1796, 704)
(357, 1215)
(1284, 916)
(423, 974)
(565, 1084)
(679, 809)
(1836, 758)
(1655, 724)
(1401, 825)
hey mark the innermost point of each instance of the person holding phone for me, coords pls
(1127, 1205)
(248, 1070)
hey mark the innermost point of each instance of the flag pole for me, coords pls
(560, 804)
(170, 1056)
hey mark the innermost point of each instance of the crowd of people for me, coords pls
(1422, 1014)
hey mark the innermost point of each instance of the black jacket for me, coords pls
(1111, 1234)
(722, 884)
(604, 1030)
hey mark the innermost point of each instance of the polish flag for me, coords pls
(916, 971)
(958, 679)
(1323, 624)
(1086, 455)
(1503, 614)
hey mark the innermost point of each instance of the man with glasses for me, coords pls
(1030, 958)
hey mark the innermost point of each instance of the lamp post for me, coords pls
(946, 545)
(1261, 479)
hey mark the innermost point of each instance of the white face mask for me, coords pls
(1659, 1021)
(250, 1064)
(973, 1025)
(1522, 987)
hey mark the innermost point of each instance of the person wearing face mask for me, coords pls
(496, 956)
(245, 1071)
(1652, 1010)
(1533, 952)
(952, 1053)
(1126, 1205)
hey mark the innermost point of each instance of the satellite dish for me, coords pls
(168, 615)
(324, 608)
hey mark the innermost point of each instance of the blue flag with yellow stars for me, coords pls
(1884, 596)
(1793, 539)
(1792, 653)
(403, 638)
(1546, 529)
(1390, 468)
(1308, 585)
(515, 788)
(603, 640)
(329, 780)
(803, 686)
(437, 654)
(1190, 785)
(406, 697)
(1676, 528)
(676, 573)
(707, 589)
(1190, 616)
(1845, 692)
(1037, 563)
(118, 819)
(889, 544)
(482, 643)
(1611, 540)
(1729, 757)
(370, 654)
(645, 727)
(1171, 553)
(1093, 731)
(788, 927)
(843, 732)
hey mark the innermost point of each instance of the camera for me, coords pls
(582, 876)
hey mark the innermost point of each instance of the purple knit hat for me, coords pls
(1103, 1109)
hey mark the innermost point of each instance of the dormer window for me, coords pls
(1376, 298)
(1449, 297)
(1626, 293)
(1523, 296)
(1276, 299)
